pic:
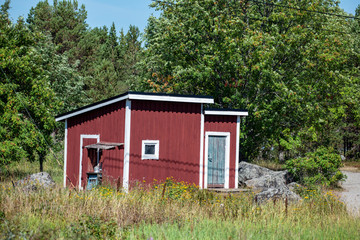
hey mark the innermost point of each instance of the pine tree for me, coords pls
(64, 21)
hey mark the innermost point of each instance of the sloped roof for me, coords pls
(137, 96)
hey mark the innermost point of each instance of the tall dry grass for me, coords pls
(167, 211)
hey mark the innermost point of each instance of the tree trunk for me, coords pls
(41, 160)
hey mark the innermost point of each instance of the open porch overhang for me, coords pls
(104, 145)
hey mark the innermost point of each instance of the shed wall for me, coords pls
(177, 127)
(214, 123)
(108, 122)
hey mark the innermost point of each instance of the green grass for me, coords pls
(181, 211)
(18, 170)
(275, 228)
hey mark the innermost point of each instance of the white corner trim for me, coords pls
(65, 151)
(127, 131)
(88, 109)
(201, 171)
(226, 113)
(227, 156)
(237, 152)
(82, 136)
(134, 96)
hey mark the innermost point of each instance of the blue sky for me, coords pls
(99, 12)
(121, 12)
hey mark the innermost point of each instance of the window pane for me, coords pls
(150, 149)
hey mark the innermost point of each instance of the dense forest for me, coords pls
(293, 64)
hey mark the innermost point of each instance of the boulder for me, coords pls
(277, 193)
(271, 184)
(36, 181)
(271, 180)
(249, 171)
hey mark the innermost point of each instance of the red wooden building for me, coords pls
(146, 136)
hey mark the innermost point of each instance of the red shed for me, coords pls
(146, 136)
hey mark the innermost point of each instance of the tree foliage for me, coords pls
(105, 62)
(111, 68)
(287, 66)
(351, 120)
(293, 64)
(64, 21)
(27, 102)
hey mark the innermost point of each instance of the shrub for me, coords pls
(319, 167)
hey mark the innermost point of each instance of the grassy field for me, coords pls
(171, 210)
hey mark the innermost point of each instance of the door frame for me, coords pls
(227, 156)
(82, 136)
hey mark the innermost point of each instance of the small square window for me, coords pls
(150, 149)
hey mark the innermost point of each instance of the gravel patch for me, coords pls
(351, 194)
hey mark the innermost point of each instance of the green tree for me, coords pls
(64, 21)
(100, 65)
(131, 52)
(64, 79)
(110, 69)
(285, 65)
(106, 65)
(351, 120)
(64, 25)
(27, 102)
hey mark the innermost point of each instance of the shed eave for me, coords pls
(227, 112)
(169, 98)
(89, 108)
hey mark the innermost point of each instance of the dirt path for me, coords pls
(351, 194)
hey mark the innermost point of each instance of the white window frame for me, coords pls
(150, 156)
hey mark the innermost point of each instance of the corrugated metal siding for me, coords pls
(177, 127)
(224, 124)
(108, 122)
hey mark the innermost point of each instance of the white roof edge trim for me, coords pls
(135, 96)
(91, 108)
(227, 113)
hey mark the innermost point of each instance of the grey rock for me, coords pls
(36, 181)
(249, 171)
(278, 194)
(271, 184)
(272, 180)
